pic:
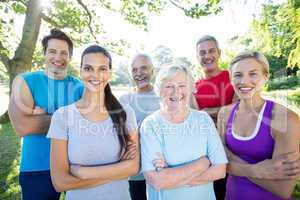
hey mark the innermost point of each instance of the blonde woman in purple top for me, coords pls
(261, 136)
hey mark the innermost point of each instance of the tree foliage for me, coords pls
(276, 33)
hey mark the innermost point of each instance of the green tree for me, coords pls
(276, 33)
(80, 19)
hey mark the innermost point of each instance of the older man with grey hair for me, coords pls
(144, 102)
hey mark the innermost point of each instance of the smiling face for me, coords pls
(142, 72)
(95, 72)
(57, 57)
(208, 55)
(248, 78)
(175, 92)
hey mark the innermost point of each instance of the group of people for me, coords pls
(174, 139)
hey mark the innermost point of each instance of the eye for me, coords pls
(182, 86)
(103, 69)
(237, 75)
(64, 53)
(52, 51)
(253, 74)
(212, 50)
(87, 68)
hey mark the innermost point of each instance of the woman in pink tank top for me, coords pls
(261, 137)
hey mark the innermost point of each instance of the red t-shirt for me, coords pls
(214, 92)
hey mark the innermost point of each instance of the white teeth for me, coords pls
(95, 82)
(246, 89)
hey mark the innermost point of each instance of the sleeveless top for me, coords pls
(252, 149)
(49, 94)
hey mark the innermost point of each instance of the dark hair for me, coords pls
(57, 34)
(113, 106)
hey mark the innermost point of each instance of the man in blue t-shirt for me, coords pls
(34, 98)
(144, 102)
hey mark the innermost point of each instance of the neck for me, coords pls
(54, 76)
(176, 116)
(211, 73)
(144, 89)
(93, 99)
(254, 103)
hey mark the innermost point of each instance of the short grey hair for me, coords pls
(144, 56)
(207, 38)
(170, 71)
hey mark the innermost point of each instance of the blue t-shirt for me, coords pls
(48, 94)
(181, 143)
(143, 104)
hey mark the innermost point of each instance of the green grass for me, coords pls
(9, 163)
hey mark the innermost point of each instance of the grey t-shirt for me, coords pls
(89, 144)
(143, 105)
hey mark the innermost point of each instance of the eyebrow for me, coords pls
(100, 66)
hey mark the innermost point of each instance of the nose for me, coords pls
(244, 80)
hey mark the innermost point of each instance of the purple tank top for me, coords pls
(252, 150)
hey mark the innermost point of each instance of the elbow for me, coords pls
(134, 169)
(58, 184)
(285, 193)
(156, 182)
(221, 172)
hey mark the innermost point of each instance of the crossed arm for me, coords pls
(279, 174)
(66, 177)
(197, 172)
(22, 108)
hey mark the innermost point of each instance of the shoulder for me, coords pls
(64, 111)
(153, 118)
(224, 112)
(125, 98)
(283, 118)
(74, 80)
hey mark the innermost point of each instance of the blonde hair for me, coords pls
(259, 57)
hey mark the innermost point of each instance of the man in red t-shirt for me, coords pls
(214, 90)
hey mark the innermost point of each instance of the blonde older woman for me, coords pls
(182, 153)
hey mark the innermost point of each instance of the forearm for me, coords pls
(33, 124)
(281, 188)
(68, 182)
(116, 171)
(240, 169)
(169, 178)
(211, 174)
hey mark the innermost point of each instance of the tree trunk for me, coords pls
(22, 60)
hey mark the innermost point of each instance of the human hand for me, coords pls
(160, 162)
(130, 152)
(38, 111)
(285, 166)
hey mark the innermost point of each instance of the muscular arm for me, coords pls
(168, 178)
(116, 171)
(21, 109)
(286, 140)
